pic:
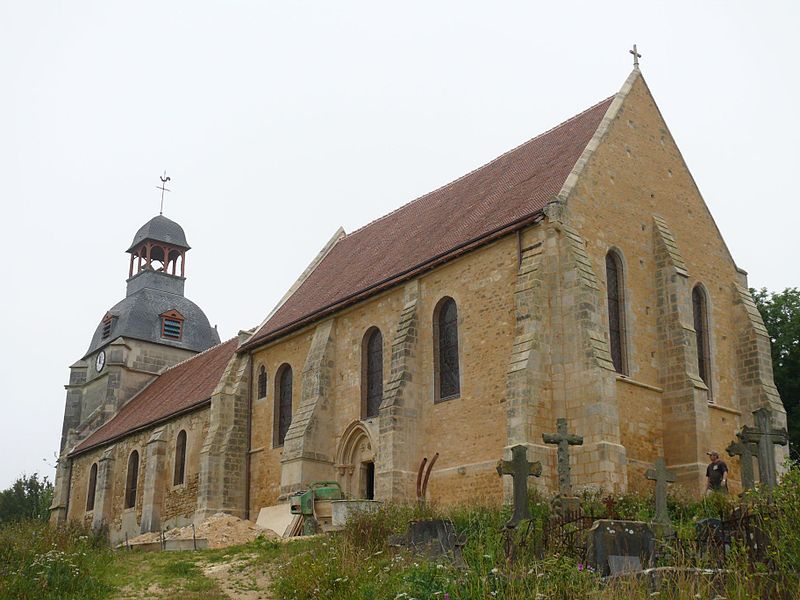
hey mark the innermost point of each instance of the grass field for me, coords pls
(40, 562)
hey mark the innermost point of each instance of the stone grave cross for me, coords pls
(766, 437)
(744, 450)
(662, 476)
(520, 469)
(564, 441)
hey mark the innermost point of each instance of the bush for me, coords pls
(27, 498)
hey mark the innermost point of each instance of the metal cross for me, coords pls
(520, 469)
(662, 477)
(164, 179)
(744, 451)
(636, 57)
(766, 437)
(564, 441)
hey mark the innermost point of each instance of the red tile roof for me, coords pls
(502, 194)
(180, 388)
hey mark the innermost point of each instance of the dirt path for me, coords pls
(240, 579)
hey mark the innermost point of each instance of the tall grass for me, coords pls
(42, 562)
(359, 563)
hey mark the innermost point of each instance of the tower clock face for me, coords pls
(101, 361)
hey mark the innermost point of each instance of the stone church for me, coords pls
(578, 276)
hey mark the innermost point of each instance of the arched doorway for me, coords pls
(355, 462)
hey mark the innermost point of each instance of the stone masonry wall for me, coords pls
(178, 502)
(636, 173)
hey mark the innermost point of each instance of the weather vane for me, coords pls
(164, 179)
(636, 57)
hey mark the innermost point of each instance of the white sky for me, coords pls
(278, 122)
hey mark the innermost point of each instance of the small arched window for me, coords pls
(92, 489)
(446, 350)
(262, 382)
(283, 403)
(616, 311)
(180, 459)
(700, 313)
(132, 480)
(372, 373)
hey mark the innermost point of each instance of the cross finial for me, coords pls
(636, 57)
(164, 179)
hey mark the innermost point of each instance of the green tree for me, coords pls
(781, 314)
(28, 498)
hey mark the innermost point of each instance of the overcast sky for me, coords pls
(278, 122)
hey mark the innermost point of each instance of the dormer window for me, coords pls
(108, 324)
(172, 325)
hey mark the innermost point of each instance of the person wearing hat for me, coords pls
(716, 473)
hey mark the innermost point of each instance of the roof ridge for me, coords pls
(184, 361)
(484, 165)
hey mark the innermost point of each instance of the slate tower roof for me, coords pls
(153, 292)
(160, 229)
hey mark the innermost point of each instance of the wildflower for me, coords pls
(495, 571)
(580, 566)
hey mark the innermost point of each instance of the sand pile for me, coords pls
(219, 529)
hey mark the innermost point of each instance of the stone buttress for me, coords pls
(308, 449)
(755, 382)
(400, 412)
(584, 379)
(223, 456)
(154, 481)
(685, 397)
(102, 514)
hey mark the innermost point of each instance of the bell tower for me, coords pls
(158, 246)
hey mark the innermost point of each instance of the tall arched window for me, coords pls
(92, 489)
(446, 350)
(616, 311)
(262, 382)
(700, 311)
(132, 480)
(283, 403)
(372, 373)
(180, 459)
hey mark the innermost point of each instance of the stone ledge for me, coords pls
(640, 384)
(726, 409)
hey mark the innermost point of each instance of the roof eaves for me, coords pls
(187, 409)
(395, 279)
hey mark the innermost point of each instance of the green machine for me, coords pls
(314, 504)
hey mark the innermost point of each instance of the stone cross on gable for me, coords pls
(744, 450)
(662, 476)
(636, 57)
(564, 441)
(766, 437)
(520, 469)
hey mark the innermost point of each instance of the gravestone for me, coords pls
(661, 476)
(745, 451)
(621, 544)
(520, 469)
(565, 502)
(766, 437)
(432, 539)
(711, 538)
